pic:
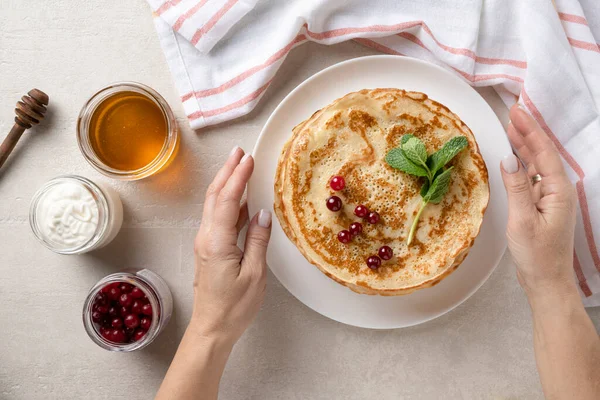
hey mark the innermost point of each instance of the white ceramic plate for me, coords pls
(304, 280)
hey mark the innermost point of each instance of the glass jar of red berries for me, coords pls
(126, 311)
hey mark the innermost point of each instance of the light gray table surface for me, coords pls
(70, 48)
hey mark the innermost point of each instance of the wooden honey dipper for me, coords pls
(30, 111)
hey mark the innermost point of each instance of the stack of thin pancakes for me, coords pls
(351, 138)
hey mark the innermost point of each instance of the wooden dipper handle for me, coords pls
(30, 111)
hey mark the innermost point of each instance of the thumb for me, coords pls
(257, 240)
(518, 187)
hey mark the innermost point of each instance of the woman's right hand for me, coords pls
(541, 217)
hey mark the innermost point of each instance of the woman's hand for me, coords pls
(229, 283)
(541, 225)
(541, 217)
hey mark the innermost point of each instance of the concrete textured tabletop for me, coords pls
(71, 48)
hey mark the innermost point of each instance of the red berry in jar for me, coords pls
(147, 309)
(136, 308)
(125, 287)
(334, 203)
(145, 323)
(355, 228)
(131, 321)
(113, 311)
(337, 183)
(101, 299)
(373, 262)
(118, 335)
(385, 252)
(123, 311)
(102, 309)
(114, 293)
(373, 217)
(361, 211)
(344, 236)
(126, 300)
(106, 333)
(97, 317)
(116, 322)
(137, 293)
(138, 334)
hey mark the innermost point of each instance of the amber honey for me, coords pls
(127, 131)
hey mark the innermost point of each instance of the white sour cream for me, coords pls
(68, 215)
(73, 215)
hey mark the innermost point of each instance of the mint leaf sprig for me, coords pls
(411, 157)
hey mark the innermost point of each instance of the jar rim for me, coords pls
(90, 106)
(153, 298)
(104, 214)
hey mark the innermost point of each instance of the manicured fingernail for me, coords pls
(233, 151)
(245, 158)
(510, 164)
(264, 218)
(521, 107)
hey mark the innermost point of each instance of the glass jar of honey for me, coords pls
(127, 131)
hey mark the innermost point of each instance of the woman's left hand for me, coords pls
(229, 283)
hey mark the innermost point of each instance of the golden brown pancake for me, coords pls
(351, 137)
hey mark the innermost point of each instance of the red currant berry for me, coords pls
(145, 323)
(373, 217)
(137, 293)
(147, 309)
(344, 236)
(118, 335)
(102, 309)
(106, 333)
(116, 323)
(123, 311)
(337, 183)
(373, 262)
(334, 203)
(355, 228)
(126, 300)
(361, 211)
(97, 317)
(136, 308)
(125, 287)
(100, 299)
(138, 334)
(114, 293)
(131, 321)
(386, 253)
(113, 311)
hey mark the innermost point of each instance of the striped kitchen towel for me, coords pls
(544, 54)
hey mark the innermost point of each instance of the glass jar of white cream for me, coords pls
(73, 215)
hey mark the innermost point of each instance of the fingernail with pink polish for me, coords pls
(264, 218)
(510, 164)
(233, 151)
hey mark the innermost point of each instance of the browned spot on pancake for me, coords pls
(417, 246)
(335, 122)
(363, 284)
(435, 122)
(318, 154)
(360, 121)
(394, 134)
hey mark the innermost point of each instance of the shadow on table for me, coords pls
(175, 180)
(162, 350)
